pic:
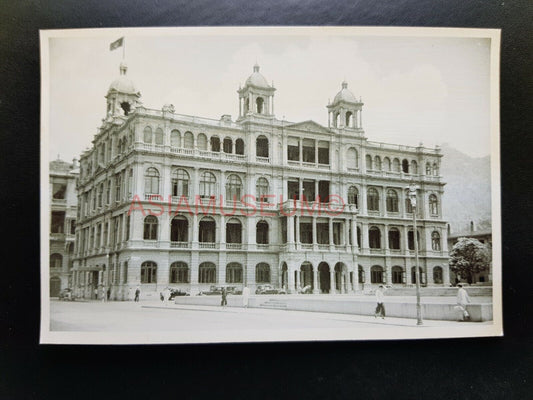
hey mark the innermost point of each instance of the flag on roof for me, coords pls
(116, 44)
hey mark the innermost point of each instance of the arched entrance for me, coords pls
(324, 277)
(306, 275)
(340, 277)
(55, 286)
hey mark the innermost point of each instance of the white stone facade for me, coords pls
(156, 160)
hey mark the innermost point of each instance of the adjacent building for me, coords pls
(63, 201)
(167, 199)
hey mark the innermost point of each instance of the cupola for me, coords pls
(346, 110)
(257, 96)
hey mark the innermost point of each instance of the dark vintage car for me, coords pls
(176, 293)
(268, 289)
(66, 294)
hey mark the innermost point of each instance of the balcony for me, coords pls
(263, 246)
(265, 160)
(306, 246)
(234, 246)
(322, 246)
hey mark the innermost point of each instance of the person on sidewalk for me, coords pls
(380, 308)
(137, 293)
(167, 294)
(224, 301)
(462, 300)
(245, 296)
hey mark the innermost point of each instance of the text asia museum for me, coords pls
(166, 199)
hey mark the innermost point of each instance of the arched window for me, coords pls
(179, 272)
(428, 169)
(352, 159)
(180, 183)
(374, 237)
(259, 103)
(435, 241)
(151, 181)
(437, 275)
(188, 140)
(435, 169)
(338, 120)
(262, 273)
(233, 231)
(261, 232)
(215, 143)
(376, 274)
(147, 135)
(179, 229)
(392, 201)
(233, 188)
(433, 205)
(262, 189)
(368, 159)
(349, 119)
(353, 196)
(386, 164)
(377, 163)
(397, 274)
(201, 142)
(239, 146)
(208, 185)
(150, 228)
(228, 145)
(207, 272)
(396, 165)
(372, 197)
(413, 275)
(405, 166)
(394, 239)
(56, 260)
(411, 240)
(148, 272)
(206, 230)
(261, 146)
(234, 273)
(414, 167)
(159, 137)
(175, 138)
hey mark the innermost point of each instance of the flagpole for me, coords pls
(124, 49)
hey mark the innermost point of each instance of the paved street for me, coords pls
(151, 316)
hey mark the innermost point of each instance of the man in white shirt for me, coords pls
(380, 309)
(462, 300)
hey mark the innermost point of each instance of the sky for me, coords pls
(433, 90)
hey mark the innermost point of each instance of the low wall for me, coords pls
(356, 306)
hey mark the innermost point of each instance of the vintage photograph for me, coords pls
(269, 184)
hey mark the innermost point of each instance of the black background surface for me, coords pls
(487, 368)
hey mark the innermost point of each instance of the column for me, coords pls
(446, 274)
(363, 198)
(300, 188)
(315, 233)
(194, 240)
(355, 246)
(222, 232)
(298, 280)
(332, 285)
(316, 152)
(290, 279)
(386, 238)
(300, 153)
(346, 232)
(316, 188)
(297, 240)
(193, 272)
(330, 228)
(290, 230)
(364, 236)
(316, 283)
(355, 269)
(405, 235)
(368, 276)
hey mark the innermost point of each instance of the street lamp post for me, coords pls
(412, 197)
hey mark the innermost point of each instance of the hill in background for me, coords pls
(467, 194)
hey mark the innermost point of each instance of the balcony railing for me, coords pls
(307, 246)
(263, 246)
(322, 246)
(234, 246)
(207, 245)
(262, 159)
(179, 245)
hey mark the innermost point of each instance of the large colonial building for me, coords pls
(174, 200)
(63, 202)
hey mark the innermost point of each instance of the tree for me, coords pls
(469, 256)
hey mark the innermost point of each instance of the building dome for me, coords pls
(256, 79)
(345, 95)
(123, 84)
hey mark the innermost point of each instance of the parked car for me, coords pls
(213, 290)
(66, 294)
(176, 293)
(268, 289)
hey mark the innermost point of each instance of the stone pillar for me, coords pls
(193, 273)
(355, 268)
(290, 230)
(446, 275)
(316, 283)
(330, 227)
(355, 246)
(195, 230)
(363, 197)
(300, 156)
(298, 280)
(290, 280)
(368, 279)
(297, 240)
(222, 233)
(364, 236)
(346, 241)
(315, 233)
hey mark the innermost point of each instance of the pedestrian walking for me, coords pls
(380, 308)
(245, 296)
(462, 300)
(108, 293)
(166, 295)
(224, 301)
(137, 293)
